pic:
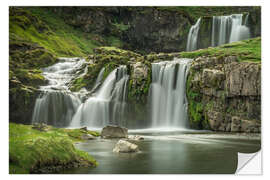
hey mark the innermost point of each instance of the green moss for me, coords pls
(31, 149)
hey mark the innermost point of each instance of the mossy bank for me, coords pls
(46, 150)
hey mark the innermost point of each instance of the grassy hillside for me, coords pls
(247, 50)
(41, 26)
(30, 149)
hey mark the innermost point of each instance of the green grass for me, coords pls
(30, 148)
(39, 25)
(247, 50)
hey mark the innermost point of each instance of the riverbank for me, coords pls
(47, 151)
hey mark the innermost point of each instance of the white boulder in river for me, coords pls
(114, 132)
(123, 146)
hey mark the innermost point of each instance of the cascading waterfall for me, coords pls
(168, 93)
(108, 105)
(227, 29)
(193, 36)
(56, 105)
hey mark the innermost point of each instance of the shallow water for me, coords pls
(170, 153)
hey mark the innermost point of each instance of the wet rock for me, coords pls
(114, 132)
(123, 146)
(40, 127)
(135, 137)
(140, 71)
(87, 137)
(242, 125)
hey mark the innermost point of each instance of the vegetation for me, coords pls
(247, 50)
(31, 149)
(41, 26)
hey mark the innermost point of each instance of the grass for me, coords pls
(30, 149)
(39, 25)
(246, 51)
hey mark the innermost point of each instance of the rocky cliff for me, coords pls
(150, 29)
(224, 94)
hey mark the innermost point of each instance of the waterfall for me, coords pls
(56, 105)
(193, 36)
(100, 77)
(227, 29)
(168, 93)
(108, 105)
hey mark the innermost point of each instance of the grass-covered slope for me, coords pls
(31, 150)
(246, 50)
(41, 26)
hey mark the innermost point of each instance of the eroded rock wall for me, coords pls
(224, 94)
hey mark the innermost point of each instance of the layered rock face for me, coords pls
(148, 29)
(224, 94)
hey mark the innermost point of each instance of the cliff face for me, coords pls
(224, 94)
(149, 29)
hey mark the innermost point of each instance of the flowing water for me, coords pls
(168, 93)
(108, 105)
(193, 36)
(56, 105)
(169, 152)
(227, 29)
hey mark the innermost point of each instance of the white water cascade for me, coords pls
(227, 29)
(193, 36)
(56, 105)
(168, 94)
(108, 105)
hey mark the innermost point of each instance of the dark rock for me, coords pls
(114, 132)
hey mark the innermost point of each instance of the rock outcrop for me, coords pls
(114, 132)
(224, 94)
(123, 146)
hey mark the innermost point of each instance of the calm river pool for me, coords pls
(170, 153)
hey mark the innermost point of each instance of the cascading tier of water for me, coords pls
(108, 105)
(168, 93)
(227, 29)
(56, 105)
(193, 36)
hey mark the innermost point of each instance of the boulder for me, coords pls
(123, 146)
(114, 132)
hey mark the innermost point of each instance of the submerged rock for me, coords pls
(135, 137)
(123, 146)
(114, 132)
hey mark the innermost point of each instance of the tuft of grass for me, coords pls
(30, 149)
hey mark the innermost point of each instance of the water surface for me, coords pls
(170, 153)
